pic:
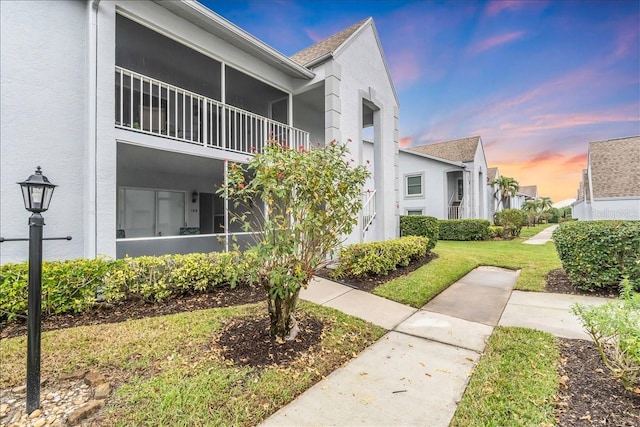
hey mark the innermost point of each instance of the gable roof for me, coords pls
(426, 156)
(491, 174)
(529, 191)
(326, 47)
(615, 167)
(457, 150)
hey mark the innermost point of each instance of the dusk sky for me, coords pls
(537, 80)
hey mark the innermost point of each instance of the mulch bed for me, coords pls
(248, 342)
(559, 282)
(588, 395)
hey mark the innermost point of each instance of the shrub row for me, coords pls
(464, 229)
(379, 258)
(598, 254)
(73, 286)
(419, 225)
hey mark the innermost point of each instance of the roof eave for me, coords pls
(205, 18)
(427, 156)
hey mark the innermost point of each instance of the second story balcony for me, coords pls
(147, 105)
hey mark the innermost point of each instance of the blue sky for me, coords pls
(536, 79)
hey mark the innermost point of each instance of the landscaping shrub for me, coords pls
(512, 220)
(419, 225)
(73, 286)
(598, 254)
(464, 229)
(379, 258)
(614, 329)
(67, 286)
(156, 278)
(496, 231)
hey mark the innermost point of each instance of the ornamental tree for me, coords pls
(307, 202)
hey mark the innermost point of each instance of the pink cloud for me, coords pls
(314, 35)
(405, 142)
(495, 7)
(495, 41)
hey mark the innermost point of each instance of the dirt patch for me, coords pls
(247, 341)
(588, 394)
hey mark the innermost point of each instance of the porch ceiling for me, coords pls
(141, 159)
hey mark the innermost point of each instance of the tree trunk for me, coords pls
(283, 324)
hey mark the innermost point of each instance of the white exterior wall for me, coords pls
(578, 210)
(364, 77)
(621, 209)
(479, 201)
(434, 198)
(43, 106)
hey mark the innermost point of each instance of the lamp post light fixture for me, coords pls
(36, 191)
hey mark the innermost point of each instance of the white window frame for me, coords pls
(409, 210)
(406, 185)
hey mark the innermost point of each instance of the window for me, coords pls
(414, 185)
(414, 211)
(147, 213)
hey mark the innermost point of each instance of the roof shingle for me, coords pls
(457, 150)
(491, 174)
(615, 167)
(326, 46)
(529, 190)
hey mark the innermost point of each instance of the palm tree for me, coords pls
(507, 187)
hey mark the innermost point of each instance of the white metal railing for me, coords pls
(455, 211)
(150, 106)
(368, 210)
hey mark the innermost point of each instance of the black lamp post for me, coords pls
(36, 191)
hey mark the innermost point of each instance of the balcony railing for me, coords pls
(150, 106)
(368, 210)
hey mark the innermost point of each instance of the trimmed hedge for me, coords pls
(419, 225)
(379, 258)
(464, 229)
(598, 254)
(512, 220)
(75, 285)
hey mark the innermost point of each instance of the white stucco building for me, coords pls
(610, 185)
(447, 180)
(134, 109)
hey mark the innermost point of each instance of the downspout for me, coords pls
(91, 222)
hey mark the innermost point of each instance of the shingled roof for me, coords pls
(615, 167)
(326, 46)
(458, 150)
(491, 174)
(529, 191)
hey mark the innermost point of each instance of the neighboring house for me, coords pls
(525, 192)
(135, 108)
(610, 185)
(445, 179)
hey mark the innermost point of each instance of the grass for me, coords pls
(455, 259)
(515, 382)
(171, 373)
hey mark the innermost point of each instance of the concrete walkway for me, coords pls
(416, 373)
(542, 237)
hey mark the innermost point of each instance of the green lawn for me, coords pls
(515, 382)
(455, 259)
(172, 373)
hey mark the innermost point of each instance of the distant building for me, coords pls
(445, 179)
(610, 185)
